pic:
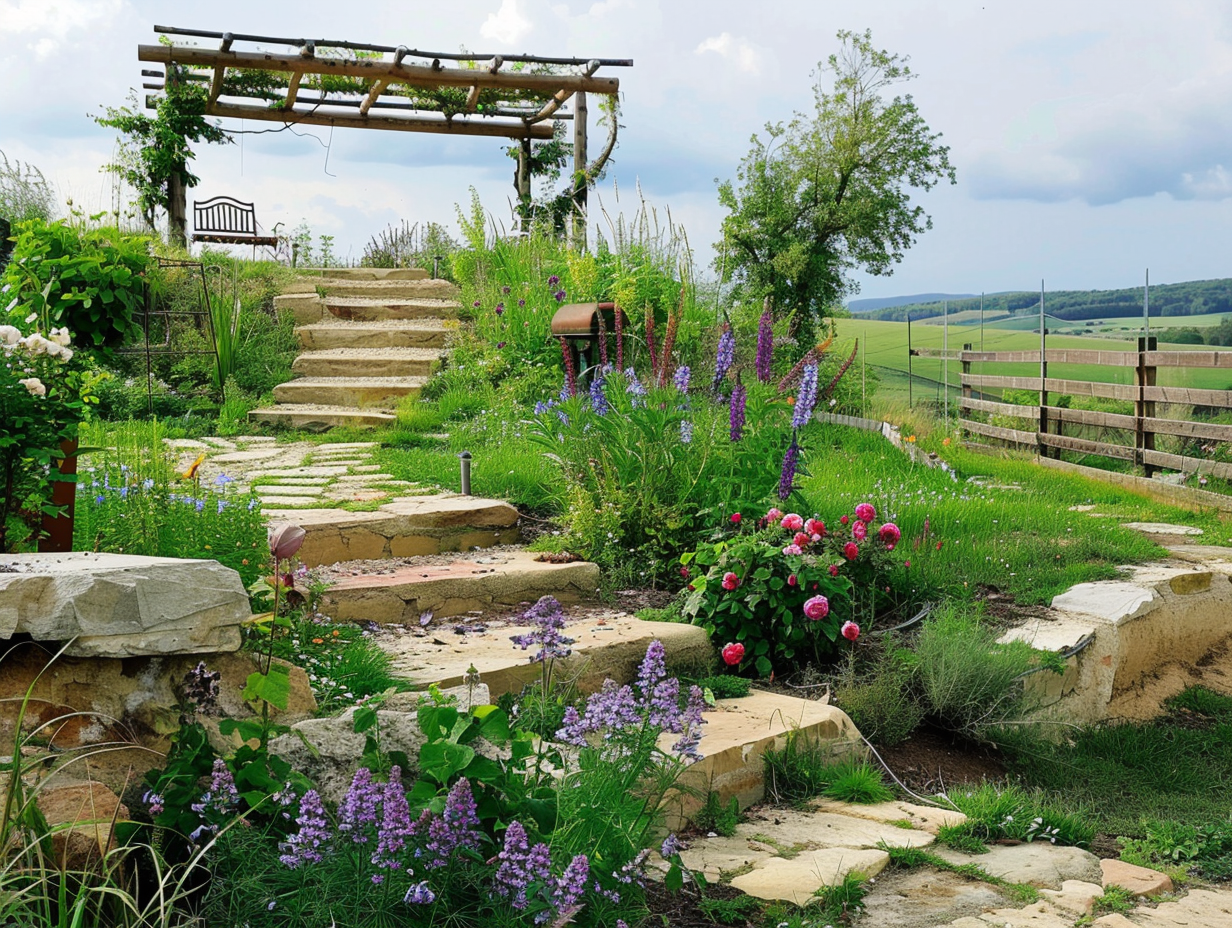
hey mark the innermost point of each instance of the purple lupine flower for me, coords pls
(635, 388)
(738, 399)
(686, 431)
(806, 397)
(307, 845)
(549, 621)
(663, 705)
(791, 461)
(681, 378)
(571, 885)
(419, 894)
(457, 827)
(765, 345)
(691, 722)
(570, 371)
(598, 399)
(222, 504)
(723, 359)
(357, 813)
(396, 824)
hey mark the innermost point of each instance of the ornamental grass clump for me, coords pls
(785, 589)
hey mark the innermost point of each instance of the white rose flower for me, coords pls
(9, 335)
(60, 336)
(34, 386)
(36, 345)
(66, 354)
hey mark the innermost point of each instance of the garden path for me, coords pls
(370, 337)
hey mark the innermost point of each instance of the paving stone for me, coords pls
(712, 857)
(1199, 908)
(366, 469)
(925, 818)
(281, 489)
(1077, 896)
(1140, 881)
(314, 470)
(1162, 528)
(299, 481)
(369, 479)
(307, 502)
(186, 444)
(254, 439)
(245, 457)
(1110, 600)
(926, 898)
(789, 828)
(345, 445)
(1038, 915)
(1043, 865)
(797, 880)
(338, 462)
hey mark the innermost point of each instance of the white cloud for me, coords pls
(507, 25)
(47, 23)
(745, 56)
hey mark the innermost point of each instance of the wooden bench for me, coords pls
(227, 221)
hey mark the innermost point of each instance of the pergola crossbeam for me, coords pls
(377, 88)
(434, 125)
(292, 89)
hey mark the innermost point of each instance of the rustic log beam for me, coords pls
(292, 89)
(377, 88)
(457, 126)
(472, 99)
(415, 75)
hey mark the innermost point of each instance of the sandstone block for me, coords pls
(1140, 881)
(797, 880)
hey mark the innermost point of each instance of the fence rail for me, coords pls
(1045, 422)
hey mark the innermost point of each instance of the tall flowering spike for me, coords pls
(737, 411)
(806, 398)
(841, 371)
(457, 827)
(669, 345)
(812, 356)
(653, 668)
(791, 460)
(650, 345)
(308, 845)
(358, 811)
(681, 378)
(570, 370)
(549, 621)
(765, 344)
(602, 338)
(686, 431)
(723, 359)
(620, 338)
(396, 826)
(520, 866)
(691, 723)
(572, 884)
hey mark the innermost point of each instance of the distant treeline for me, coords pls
(1191, 298)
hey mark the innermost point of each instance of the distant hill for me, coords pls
(1189, 298)
(868, 306)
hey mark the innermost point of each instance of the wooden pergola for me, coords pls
(348, 84)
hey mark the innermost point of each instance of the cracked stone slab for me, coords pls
(797, 880)
(1162, 528)
(925, 818)
(1040, 864)
(789, 828)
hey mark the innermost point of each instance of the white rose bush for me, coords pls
(43, 397)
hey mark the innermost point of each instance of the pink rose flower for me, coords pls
(792, 522)
(844, 520)
(850, 631)
(733, 654)
(793, 580)
(684, 572)
(817, 608)
(730, 581)
(906, 563)
(865, 512)
(851, 550)
(859, 531)
(833, 570)
(801, 540)
(792, 550)
(889, 535)
(735, 518)
(815, 527)
(774, 515)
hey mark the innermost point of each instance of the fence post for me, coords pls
(1041, 448)
(1144, 376)
(966, 386)
(910, 352)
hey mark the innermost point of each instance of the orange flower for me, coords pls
(318, 641)
(193, 467)
(945, 441)
(337, 633)
(911, 438)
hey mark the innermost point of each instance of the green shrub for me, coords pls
(726, 686)
(969, 681)
(881, 702)
(718, 816)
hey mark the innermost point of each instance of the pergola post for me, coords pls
(522, 183)
(177, 209)
(580, 182)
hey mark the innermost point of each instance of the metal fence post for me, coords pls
(1144, 376)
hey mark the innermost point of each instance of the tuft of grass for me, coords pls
(1202, 701)
(737, 911)
(858, 782)
(718, 816)
(803, 770)
(1010, 812)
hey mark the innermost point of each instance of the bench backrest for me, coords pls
(225, 214)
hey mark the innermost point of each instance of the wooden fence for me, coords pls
(1050, 419)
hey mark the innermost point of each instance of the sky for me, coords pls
(1092, 140)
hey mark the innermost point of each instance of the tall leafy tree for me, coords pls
(830, 192)
(155, 151)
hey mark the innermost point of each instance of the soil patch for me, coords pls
(683, 909)
(932, 761)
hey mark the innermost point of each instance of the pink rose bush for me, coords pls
(785, 586)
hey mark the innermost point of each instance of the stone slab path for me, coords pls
(369, 340)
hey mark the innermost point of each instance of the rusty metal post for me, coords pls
(57, 535)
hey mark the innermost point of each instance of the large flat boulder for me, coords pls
(121, 605)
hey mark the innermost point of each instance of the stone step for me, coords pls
(366, 273)
(305, 307)
(394, 333)
(367, 362)
(606, 644)
(405, 527)
(378, 392)
(389, 289)
(371, 309)
(314, 417)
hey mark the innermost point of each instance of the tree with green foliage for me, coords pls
(155, 151)
(830, 192)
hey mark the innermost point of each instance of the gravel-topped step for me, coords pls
(388, 289)
(400, 591)
(379, 392)
(383, 333)
(371, 309)
(367, 362)
(314, 417)
(366, 273)
(404, 527)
